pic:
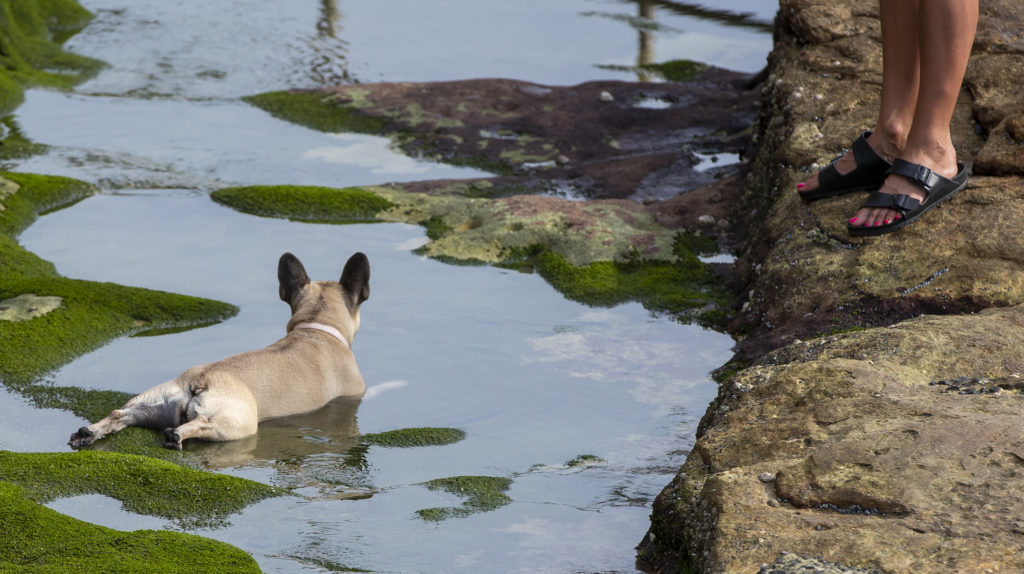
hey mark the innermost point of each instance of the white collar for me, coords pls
(321, 327)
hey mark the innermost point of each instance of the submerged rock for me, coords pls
(591, 137)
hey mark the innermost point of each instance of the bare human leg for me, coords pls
(900, 81)
(945, 34)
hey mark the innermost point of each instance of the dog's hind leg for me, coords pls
(157, 408)
(212, 429)
(215, 419)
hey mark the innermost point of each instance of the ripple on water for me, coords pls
(530, 377)
(534, 380)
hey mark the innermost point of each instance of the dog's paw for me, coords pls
(82, 437)
(171, 439)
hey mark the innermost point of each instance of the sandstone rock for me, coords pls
(877, 468)
(890, 421)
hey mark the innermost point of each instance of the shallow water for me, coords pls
(532, 378)
(535, 380)
(230, 48)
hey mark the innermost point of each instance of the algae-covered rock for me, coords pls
(90, 313)
(482, 493)
(305, 203)
(142, 484)
(37, 539)
(600, 252)
(31, 55)
(47, 320)
(414, 437)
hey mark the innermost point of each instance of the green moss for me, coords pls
(144, 485)
(14, 145)
(324, 112)
(305, 203)
(90, 313)
(436, 227)
(31, 195)
(30, 36)
(316, 111)
(419, 436)
(460, 229)
(39, 540)
(91, 405)
(482, 493)
(677, 287)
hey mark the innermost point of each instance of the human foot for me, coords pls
(862, 170)
(910, 190)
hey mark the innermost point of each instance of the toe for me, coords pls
(810, 185)
(861, 218)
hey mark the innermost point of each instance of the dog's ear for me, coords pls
(355, 278)
(292, 276)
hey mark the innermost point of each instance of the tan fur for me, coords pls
(300, 373)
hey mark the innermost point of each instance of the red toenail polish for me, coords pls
(887, 222)
(799, 186)
(853, 220)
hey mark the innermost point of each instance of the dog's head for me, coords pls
(334, 303)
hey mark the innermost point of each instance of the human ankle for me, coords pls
(888, 141)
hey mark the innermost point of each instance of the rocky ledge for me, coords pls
(874, 422)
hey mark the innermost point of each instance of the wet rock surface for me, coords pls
(882, 388)
(609, 189)
(604, 139)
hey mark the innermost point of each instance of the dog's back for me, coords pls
(301, 372)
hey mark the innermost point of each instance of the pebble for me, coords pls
(967, 386)
(766, 477)
(707, 219)
(606, 97)
(562, 160)
(788, 563)
(774, 503)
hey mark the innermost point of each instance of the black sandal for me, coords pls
(867, 176)
(938, 188)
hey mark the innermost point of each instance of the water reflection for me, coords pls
(729, 18)
(645, 55)
(329, 57)
(646, 25)
(329, 23)
(318, 450)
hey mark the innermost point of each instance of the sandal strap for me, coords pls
(865, 156)
(920, 175)
(894, 201)
(871, 168)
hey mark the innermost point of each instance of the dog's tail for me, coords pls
(376, 390)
